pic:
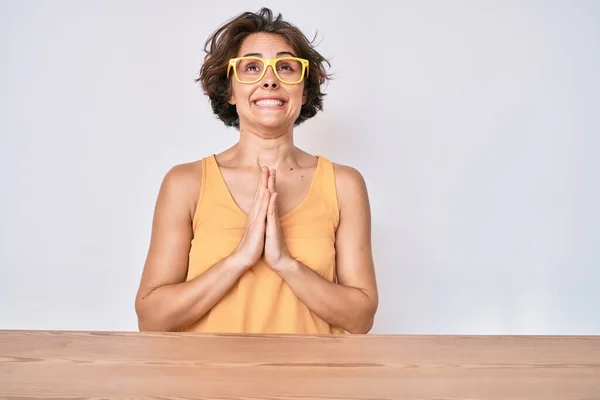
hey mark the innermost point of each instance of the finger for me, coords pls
(277, 219)
(262, 180)
(264, 205)
(264, 171)
(272, 210)
(275, 214)
(271, 181)
(257, 218)
(260, 196)
(271, 226)
(257, 191)
(260, 192)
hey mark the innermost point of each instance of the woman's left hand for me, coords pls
(276, 253)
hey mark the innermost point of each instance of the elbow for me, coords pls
(148, 324)
(363, 322)
(149, 327)
(145, 324)
(149, 320)
(363, 326)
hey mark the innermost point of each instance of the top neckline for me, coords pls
(288, 214)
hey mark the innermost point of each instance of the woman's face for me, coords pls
(268, 103)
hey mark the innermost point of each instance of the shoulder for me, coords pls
(183, 175)
(348, 179)
(347, 175)
(181, 185)
(351, 187)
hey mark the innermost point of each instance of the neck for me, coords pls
(272, 149)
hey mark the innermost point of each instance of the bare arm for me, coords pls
(352, 302)
(165, 301)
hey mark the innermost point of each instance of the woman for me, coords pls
(263, 237)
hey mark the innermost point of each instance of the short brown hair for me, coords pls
(224, 44)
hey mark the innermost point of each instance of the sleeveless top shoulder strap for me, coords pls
(212, 189)
(329, 189)
(322, 198)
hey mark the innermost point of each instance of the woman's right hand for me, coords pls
(250, 248)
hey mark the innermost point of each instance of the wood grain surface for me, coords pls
(109, 365)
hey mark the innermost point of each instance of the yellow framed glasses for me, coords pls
(251, 69)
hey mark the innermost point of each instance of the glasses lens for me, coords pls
(289, 70)
(249, 69)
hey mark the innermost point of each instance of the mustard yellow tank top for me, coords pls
(261, 301)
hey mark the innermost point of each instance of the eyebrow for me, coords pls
(281, 53)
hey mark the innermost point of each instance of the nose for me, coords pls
(270, 80)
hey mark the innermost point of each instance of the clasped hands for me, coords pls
(262, 235)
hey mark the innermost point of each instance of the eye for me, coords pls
(285, 67)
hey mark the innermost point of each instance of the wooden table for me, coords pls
(41, 364)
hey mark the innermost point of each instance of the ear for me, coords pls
(304, 97)
(231, 99)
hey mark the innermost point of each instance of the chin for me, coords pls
(278, 124)
(272, 124)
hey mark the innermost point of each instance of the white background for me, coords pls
(475, 123)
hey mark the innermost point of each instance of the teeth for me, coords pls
(269, 103)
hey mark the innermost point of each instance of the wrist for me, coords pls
(236, 262)
(286, 265)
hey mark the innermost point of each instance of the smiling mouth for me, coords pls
(270, 103)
